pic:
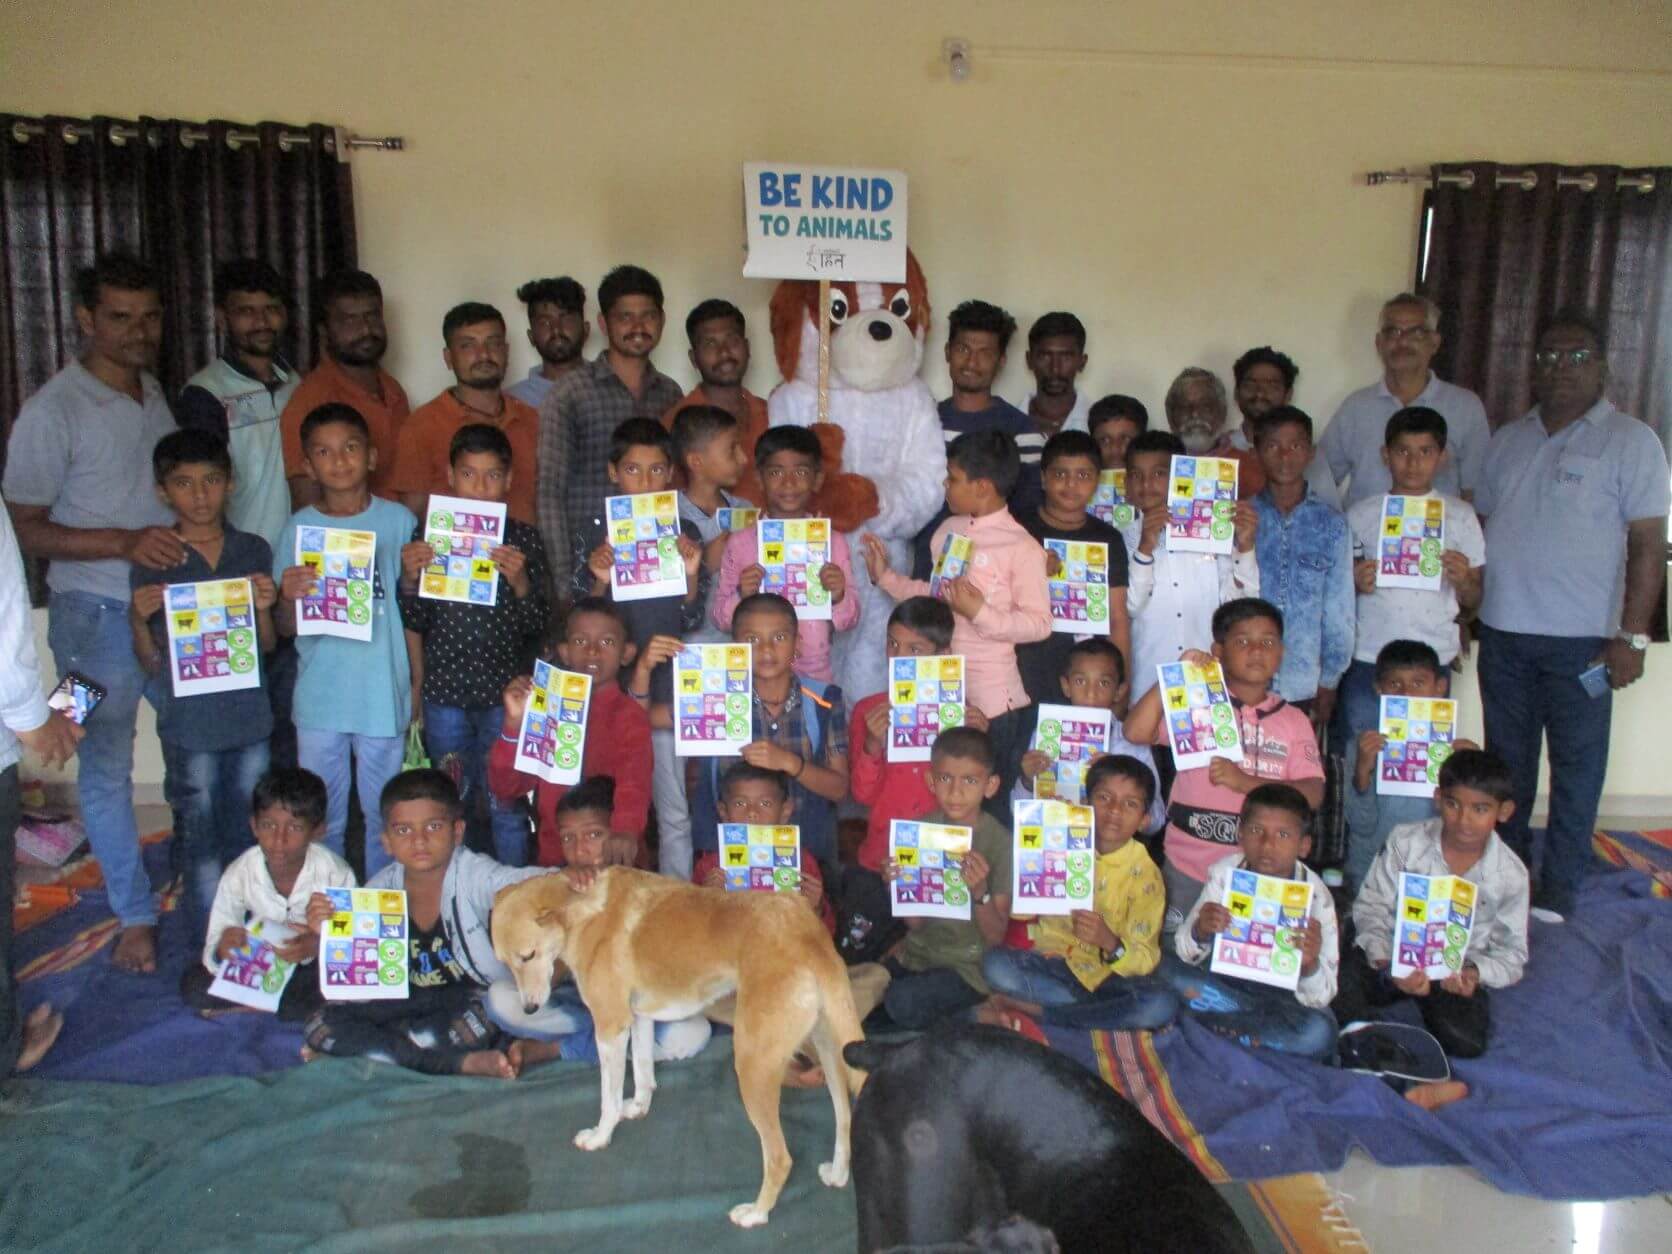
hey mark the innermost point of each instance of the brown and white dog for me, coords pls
(644, 947)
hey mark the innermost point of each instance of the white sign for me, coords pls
(824, 222)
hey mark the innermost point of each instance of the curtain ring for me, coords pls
(285, 143)
(1468, 179)
(20, 132)
(233, 142)
(1587, 182)
(70, 137)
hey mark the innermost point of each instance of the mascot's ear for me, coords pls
(789, 311)
(918, 287)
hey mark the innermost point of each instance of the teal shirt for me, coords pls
(356, 687)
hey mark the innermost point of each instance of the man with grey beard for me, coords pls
(1197, 408)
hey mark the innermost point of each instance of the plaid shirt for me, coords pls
(576, 420)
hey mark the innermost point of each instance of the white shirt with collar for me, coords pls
(1171, 598)
(246, 892)
(22, 706)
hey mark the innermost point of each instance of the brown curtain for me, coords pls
(183, 195)
(1500, 257)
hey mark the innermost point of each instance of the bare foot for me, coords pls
(491, 1063)
(40, 1030)
(1016, 1006)
(310, 1055)
(1440, 1093)
(525, 1054)
(990, 1012)
(136, 949)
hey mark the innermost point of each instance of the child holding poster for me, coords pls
(1462, 841)
(354, 698)
(1069, 468)
(273, 883)
(449, 895)
(467, 652)
(937, 972)
(591, 641)
(791, 466)
(1276, 739)
(1084, 969)
(1414, 448)
(204, 624)
(710, 462)
(1273, 835)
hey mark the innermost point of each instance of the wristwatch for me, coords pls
(1635, 639)
(986, 896)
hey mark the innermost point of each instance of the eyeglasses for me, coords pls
(1395, 334)
(1550, 358)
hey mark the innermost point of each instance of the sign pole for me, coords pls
(824, 351)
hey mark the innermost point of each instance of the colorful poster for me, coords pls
(644, 532)
(926, 695)
(954, 560)
(340, 601)
(1262, 942)
(213, 645)
(792, 551)
(1201, 722)
(1418, 732)
(552, 739)
(363, 948)
(713, 686)
(1080, 588)
(254, 975)
(1071, 736)
(730, 518)
(1109, 501)
(760, 858)
(1055, 857)
(1202, 505)
(930, 860)
(464, 535)
(1431, 930)
(1412, 541)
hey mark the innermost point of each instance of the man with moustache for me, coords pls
(557, 330)
(240, 395)
(1351, 445)
(720, 352)
(1056, 358)
(589, 403)
(475, 349)
(79, 487)
(1263, 380)
(354, 339)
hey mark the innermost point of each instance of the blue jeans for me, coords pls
(1530, 691)
(211, 799)
(377, 760)
(566, 1020)
(1257, 1016)
(470, 734)
(90, 634)
(1139, 1004)
(1359, 703)
(920, 999)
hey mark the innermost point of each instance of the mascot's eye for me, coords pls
(838, 308)
(900, 306)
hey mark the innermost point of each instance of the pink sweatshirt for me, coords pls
(1009, 568)
(812, 641)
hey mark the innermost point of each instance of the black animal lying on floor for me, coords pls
(965, 1126)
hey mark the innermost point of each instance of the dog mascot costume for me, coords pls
(884, 454)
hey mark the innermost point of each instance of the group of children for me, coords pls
(1167, 841)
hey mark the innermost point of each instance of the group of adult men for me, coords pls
(1576, 566)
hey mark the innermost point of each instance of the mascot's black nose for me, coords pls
(880, 330)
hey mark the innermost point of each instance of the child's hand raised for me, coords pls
(964, 597)
(876, 727)
(581, 878)
(889, 870)
(1311, 945)
(621, 849)
(875, 553)
(319, 910)
(973, 717)
(1370, 743)
(231, 939)
(1053, 564)
(1034, 762)
(147, 600)
(812, 892)
(1198, 657)
(515, 700)
(770, 757)
(1455, 567)
(1247, 524)
(297, 582)
(1224, 773)
(657, 650)
(690, 552)
(513, 564)
(1415, 984)
(834, 581)
(749, 579)
(600, 562)
(1211, 920)
(265, 591)
(1149, 531)
(415, 555)
(1089, 926)
(714, 877)
(976, 871)
(1364, 577)
(1464, 983)
(302, 947)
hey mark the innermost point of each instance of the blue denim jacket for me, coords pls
(1306, 570)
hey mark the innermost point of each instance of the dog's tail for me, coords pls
(838, 1022)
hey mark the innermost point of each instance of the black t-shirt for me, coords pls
(1041, 662)
(432, 964)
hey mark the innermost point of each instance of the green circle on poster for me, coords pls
(1049, 729)
(737, 728)
(667, 546)
(737, 704)
(242, 663)
(956, 895)
(1431, 548)
(239, 638)
(1079, 863)
(359, 590)
(1433, 771)
(359, 615)
(954, 876)
(272, 981)
(392, 973)
(951, 714)
(1124, 515)
(567, 758)
(786, 877)
(817, 594)
(1429, 566)
(1225, 735)
(1221, 530)
(1285, 961)
(1456, 935)
(568, 733)
(1224, 509)
(1079, 886)
(441, 520)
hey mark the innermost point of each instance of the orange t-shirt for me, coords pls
(749, 484)
(326, 383)
(428, 436)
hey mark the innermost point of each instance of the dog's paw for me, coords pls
(636, 1106)
(748, 1215)
(592, 1138)
(833, 1175)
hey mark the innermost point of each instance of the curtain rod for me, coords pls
(1526, 180)
(74, 132)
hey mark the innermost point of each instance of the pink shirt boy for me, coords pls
(1008, 566)
(812, 639)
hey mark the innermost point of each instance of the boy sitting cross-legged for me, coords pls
(1273, 836)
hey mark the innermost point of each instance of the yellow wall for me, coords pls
(1182, 175)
